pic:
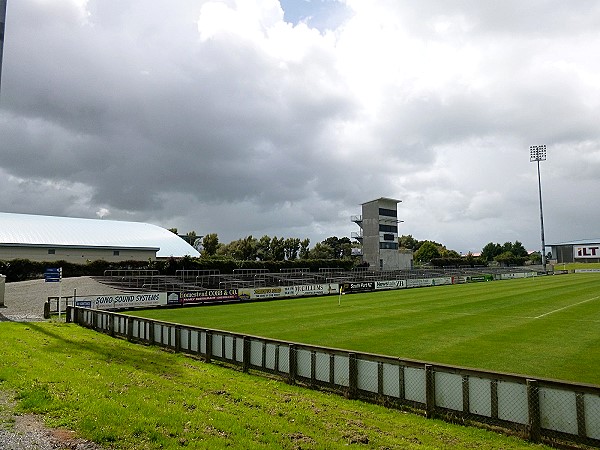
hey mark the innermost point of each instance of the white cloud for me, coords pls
(220, 116)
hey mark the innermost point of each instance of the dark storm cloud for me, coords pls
(221, 117)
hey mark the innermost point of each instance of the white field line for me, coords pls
(565, 307)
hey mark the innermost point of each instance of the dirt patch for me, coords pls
(27, 431)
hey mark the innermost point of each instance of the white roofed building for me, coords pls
(50, 238)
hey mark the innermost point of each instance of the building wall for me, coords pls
(74, 255)
(579, 253)
(374, 238)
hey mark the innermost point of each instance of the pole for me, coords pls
(59, 290)
(2, 27)
(541, 217)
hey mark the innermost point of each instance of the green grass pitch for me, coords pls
(541, 327)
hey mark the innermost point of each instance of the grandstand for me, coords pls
(203, 280)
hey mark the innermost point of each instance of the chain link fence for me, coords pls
(537, 410)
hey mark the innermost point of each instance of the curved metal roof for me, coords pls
(33, 230)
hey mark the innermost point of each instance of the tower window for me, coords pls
(388, 212)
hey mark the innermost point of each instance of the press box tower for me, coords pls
(379, 234)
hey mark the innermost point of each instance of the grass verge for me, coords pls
(128, 396)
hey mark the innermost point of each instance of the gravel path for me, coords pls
(24, 302)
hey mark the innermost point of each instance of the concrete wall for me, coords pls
(74, 255)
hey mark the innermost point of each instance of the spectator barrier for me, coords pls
(536, 409)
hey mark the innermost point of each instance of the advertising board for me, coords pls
(288, 291)
(362, 286)
(123, 300)
(586, 251)
(209, 295)
(390, 284)
(422, 282)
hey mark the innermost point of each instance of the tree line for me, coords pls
(429, 252)
(509, 253)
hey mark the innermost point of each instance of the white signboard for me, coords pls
(289, 291)
(123, 300)
(390, 284)
(586, 251)
(422, 282)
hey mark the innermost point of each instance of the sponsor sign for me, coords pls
(363, 286)
(586, 251)
(311, 289)
(586, 271)
(261, 293)
(422, 282)
(481, 277)
(53, 275)
(125, 300)
(289, 291)
(390, 284)
(83, 303)
(210, 295)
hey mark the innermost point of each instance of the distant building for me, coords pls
(584, 251)
(379, 235)
(49, 238)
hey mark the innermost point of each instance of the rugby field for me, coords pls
(542, 327)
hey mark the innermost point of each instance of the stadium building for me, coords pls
(585, 251)
(379, 235)
(49, 238)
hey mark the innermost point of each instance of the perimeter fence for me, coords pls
(535, 409)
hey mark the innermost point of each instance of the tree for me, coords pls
(210, 242)
(263, 248)
(173, 230)
(407, 242)
(426, 252)
(304, 250)
(321, 251)
(246, 250)
(277, 249)
(190, 237)
(509, 259)
(340, 247)
(490, 251)
(291, 247)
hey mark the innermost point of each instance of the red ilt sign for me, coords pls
(586, 251)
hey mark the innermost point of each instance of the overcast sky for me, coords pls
(254, 117)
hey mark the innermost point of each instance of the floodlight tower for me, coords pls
(537, 153)
(2, 20)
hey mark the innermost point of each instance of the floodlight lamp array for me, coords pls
(537, 153)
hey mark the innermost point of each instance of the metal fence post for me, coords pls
(130, 329)
(177, 338)
(533, 407)
(429, 391)
(245, 354)
(293, 366)
(352, 375)
(208, 355)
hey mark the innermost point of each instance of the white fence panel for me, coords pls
(480, 396)
(341, 370)
(414, 384)
(558, 410)
(367, 375)
(391, 380)
(512, 402)
(449, 391)
(322, 366)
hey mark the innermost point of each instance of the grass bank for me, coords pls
(128, 396)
